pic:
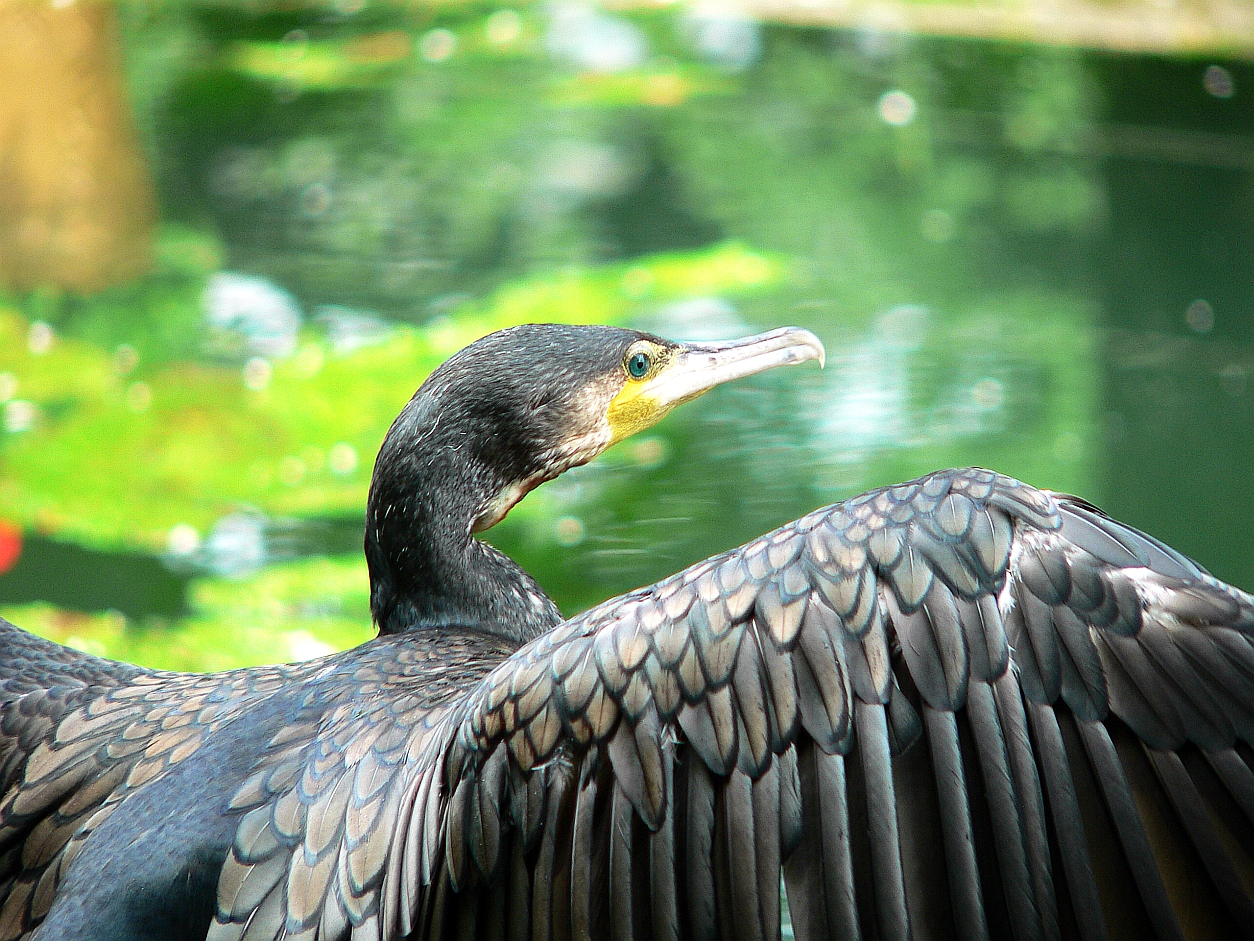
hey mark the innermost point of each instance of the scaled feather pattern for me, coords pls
(958, 707)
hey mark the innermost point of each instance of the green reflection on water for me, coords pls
(983, 234)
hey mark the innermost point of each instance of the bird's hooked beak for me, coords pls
(694, 368)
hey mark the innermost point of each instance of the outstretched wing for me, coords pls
(959, 707)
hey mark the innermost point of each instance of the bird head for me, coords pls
(497, 419)
(520, 406)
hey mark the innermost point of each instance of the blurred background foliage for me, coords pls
(234, 237)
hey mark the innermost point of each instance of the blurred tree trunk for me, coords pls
(77, 206)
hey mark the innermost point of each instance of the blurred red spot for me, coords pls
(10, 545)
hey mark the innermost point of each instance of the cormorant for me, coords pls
(959, 707)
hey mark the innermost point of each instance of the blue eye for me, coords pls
(638, 365)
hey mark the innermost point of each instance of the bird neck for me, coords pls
(427, 570)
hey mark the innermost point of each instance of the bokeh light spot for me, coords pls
(1218, 82)
(342, 459)
(438, 45)
(503, 28)
(569, 530)
(295, 43)
(988, 394)
(650, 452)
(39, 338)
(182, 540)
(897, 108)
(125, 359)
(1200, 316)
(1233, 377)
(1068, 447)
(664, 90)
(286, 91)
(257, 373)
(302, 645)
(309, 360)
(20, 415)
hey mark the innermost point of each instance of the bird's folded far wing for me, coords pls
(28, 662)
(42, 685)
(959, 707)
(324, 815)
(70, 751)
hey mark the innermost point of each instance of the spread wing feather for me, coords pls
(957, 707)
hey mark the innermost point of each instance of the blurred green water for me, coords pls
(1025, 258)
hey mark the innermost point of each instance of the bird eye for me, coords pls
(638, 365)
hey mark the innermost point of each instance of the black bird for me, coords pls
(959, 707)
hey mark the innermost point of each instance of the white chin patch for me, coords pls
(577, 451)
(501, 504)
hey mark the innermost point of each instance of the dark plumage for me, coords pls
(957, 707)
(449, 455)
